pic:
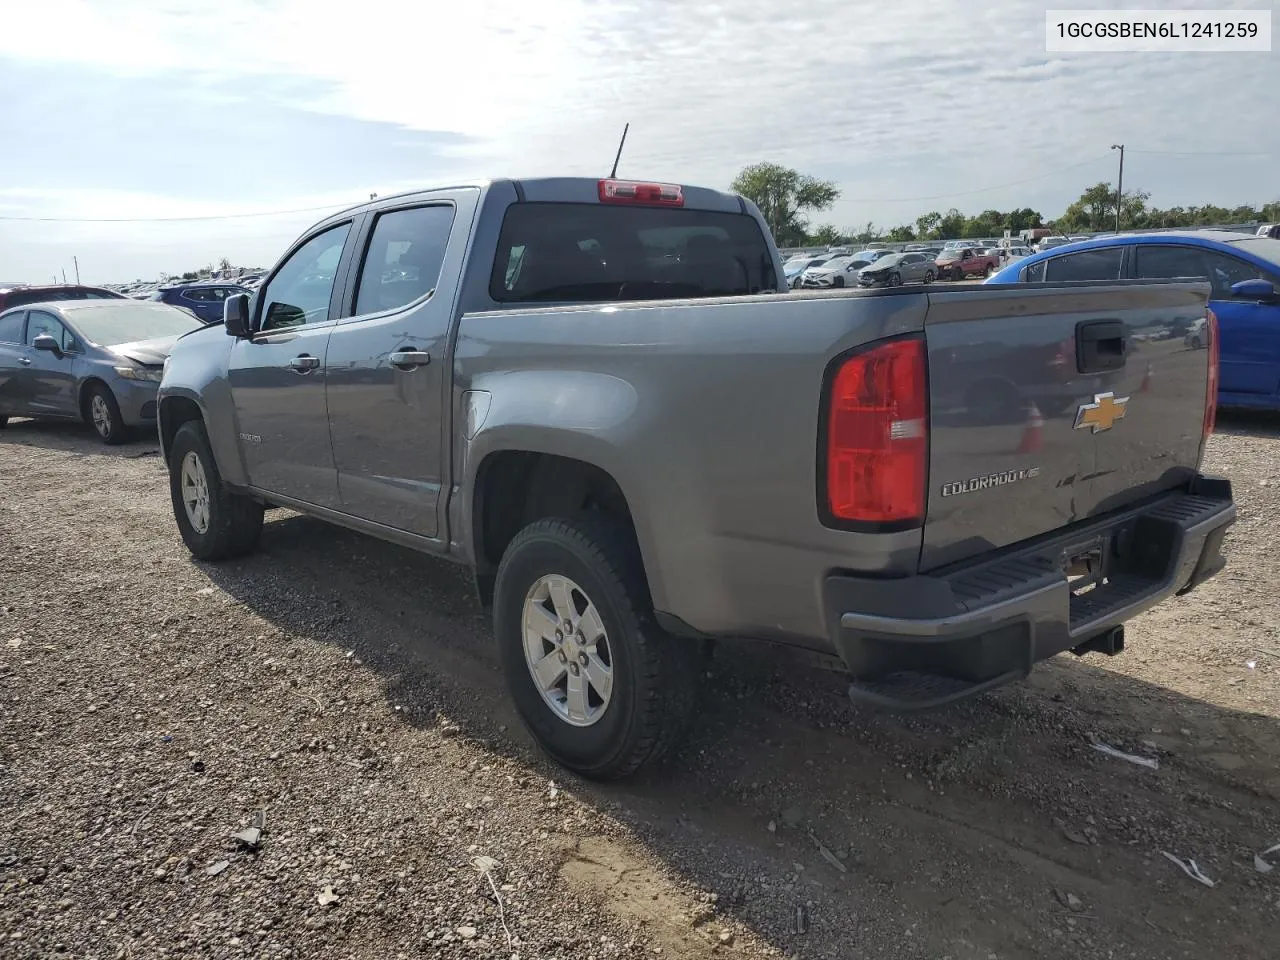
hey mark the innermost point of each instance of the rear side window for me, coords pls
(1086, 265)
(406, 253)
(11, 327)
(579, 253)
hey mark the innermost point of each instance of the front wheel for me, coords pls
(895, 279)
(214, 523)
(599, 685)
(928, 276)
(4, 421)
(838, 282)
(104, 415)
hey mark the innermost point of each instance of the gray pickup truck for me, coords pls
(601, 397)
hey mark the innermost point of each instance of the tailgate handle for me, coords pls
(1101, 345)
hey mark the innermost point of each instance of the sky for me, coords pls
(141, 110)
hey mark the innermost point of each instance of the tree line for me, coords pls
(786, 198)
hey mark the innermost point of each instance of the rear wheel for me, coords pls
(104, 415)
(214, 523)
(599, 685)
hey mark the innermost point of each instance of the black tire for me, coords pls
(838, 281)
(4, 421)
(895, 279)
(234, 522)
(989, 271)
(111, 429)
(928, 276)
(655, 676)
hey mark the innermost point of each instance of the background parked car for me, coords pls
(896, 269)
(958, 263)
(98, 361)
(839, 271)
(796, 266)
(1243, 270)
(204, 300)
(17, 296)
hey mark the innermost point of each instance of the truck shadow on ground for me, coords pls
(951, 834)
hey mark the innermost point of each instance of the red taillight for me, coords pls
(1211, 385)
(650, 194)
(877, 436)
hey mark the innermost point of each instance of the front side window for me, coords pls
(1086, 265)
(582, 253)
(1225, 271)
(11, 327)
(39, 323)
(299, 292)
(406, 252)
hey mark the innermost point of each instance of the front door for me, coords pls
(387, 365)
(277, 376)
(1248, 331)
(51, 377)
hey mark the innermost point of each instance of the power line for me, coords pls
(1209, 153)
(969, 193)
(223, 216)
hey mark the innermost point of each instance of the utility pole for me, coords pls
(1119, 184)
(64, 276)
(76, 261)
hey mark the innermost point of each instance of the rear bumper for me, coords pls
(973, 627)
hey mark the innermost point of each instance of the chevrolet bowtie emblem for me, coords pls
(1103, 413)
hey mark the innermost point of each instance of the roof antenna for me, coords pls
(614, 172)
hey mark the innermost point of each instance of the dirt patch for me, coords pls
(345, 690)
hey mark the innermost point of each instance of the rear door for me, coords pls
(386, 368)
(14, 365)
(1040, 419)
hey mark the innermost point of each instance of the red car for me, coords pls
(17, 295)
(958, 264)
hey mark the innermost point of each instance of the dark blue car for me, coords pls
(1244, 271)
(202, 299)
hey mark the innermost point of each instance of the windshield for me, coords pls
(889, 259)
(586, 252)
(1262, 247)
(125, 321)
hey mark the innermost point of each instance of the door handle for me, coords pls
(1101, 345)
(410, 359)
(304, 363)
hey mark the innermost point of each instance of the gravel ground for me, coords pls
(341, 695)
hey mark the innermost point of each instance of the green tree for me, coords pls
(784, 196)
(927, 225)
(826, 235)
(950, 225)
(901, 234)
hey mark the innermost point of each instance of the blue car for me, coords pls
(204, 300)
(1243, 270)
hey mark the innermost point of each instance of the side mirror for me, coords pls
(46, 342)
(235, 315)
(1258, 289)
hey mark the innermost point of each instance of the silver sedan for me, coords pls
(897, 269)
(97, 361)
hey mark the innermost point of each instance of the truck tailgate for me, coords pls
(1050, 404)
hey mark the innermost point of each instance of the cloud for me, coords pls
(245, 101)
